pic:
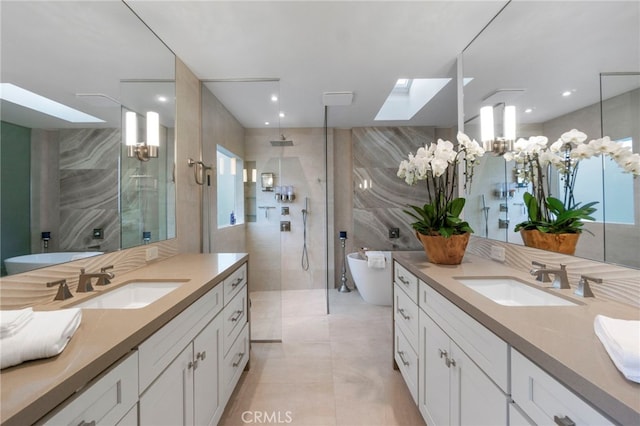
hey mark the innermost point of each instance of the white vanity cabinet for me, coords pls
(545, 400)
(184, 376)
(455, 369)
(453, 390)
(187, 391)
(405, 316)
(108, 400)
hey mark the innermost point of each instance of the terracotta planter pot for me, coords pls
(444, 251)
(560, 243)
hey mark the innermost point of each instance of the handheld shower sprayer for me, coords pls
(304, 262)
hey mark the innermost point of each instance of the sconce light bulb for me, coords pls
(153, 129)
(131, 128)
(510, 123)
(486, 124)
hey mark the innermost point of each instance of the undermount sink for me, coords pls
(509, 291)
(134, 295)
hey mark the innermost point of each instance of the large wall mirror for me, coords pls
(529, 56)
(70, 185)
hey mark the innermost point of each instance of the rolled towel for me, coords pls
(46, 335)
(13, 321)
(621, 339)
(376, 259)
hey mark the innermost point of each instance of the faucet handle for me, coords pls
(105, 278)
(584, 289)
(541, 276)
(63, 289)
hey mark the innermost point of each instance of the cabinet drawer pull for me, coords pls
(401, 312)
(403, 280)
(443, 354)
(237, 363)
(91, 423)
(201, 355)
(236, 282)
(450, 362)
(192, 364)
(564, 421)
(238, 315)
(401, 354)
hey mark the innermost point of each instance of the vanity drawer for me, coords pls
(486, 349)
(157, 352)
(235, 317)
(406, 281)
(405, 314)
(106, 401)
(407, 360)
(234, 282)
(234, 363)
(544, 399)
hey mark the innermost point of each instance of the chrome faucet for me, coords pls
(542, 276)
(63, 289)
(583, 286)
(560, 278)
(104, 277)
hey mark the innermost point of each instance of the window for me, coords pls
(603, 172)
(230, 188)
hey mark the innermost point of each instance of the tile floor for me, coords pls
(329, 369)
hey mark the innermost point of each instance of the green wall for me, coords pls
(15, 166)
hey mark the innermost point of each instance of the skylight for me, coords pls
(19, 96)
(409, 96)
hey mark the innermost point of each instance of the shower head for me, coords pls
(282, 143)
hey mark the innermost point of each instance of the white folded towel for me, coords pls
(376, 259)
(13, 321)
(621, 339)
(46, 335)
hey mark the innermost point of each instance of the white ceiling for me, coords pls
(321, 46)
(59, 49)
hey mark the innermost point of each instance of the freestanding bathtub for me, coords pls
(374, 284)
(28, 262)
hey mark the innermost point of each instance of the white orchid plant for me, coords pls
(437, 164)
(535, 161)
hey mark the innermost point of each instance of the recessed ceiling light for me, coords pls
(274, 98)
(266, 123)
(281, 114)
(528, 110)
(566, 93)
(162, 98)
(19, 96)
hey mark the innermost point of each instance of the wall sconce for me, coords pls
(500, 145)
(146, 149)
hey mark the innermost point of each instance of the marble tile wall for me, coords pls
(86, 188)
(378, 205)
